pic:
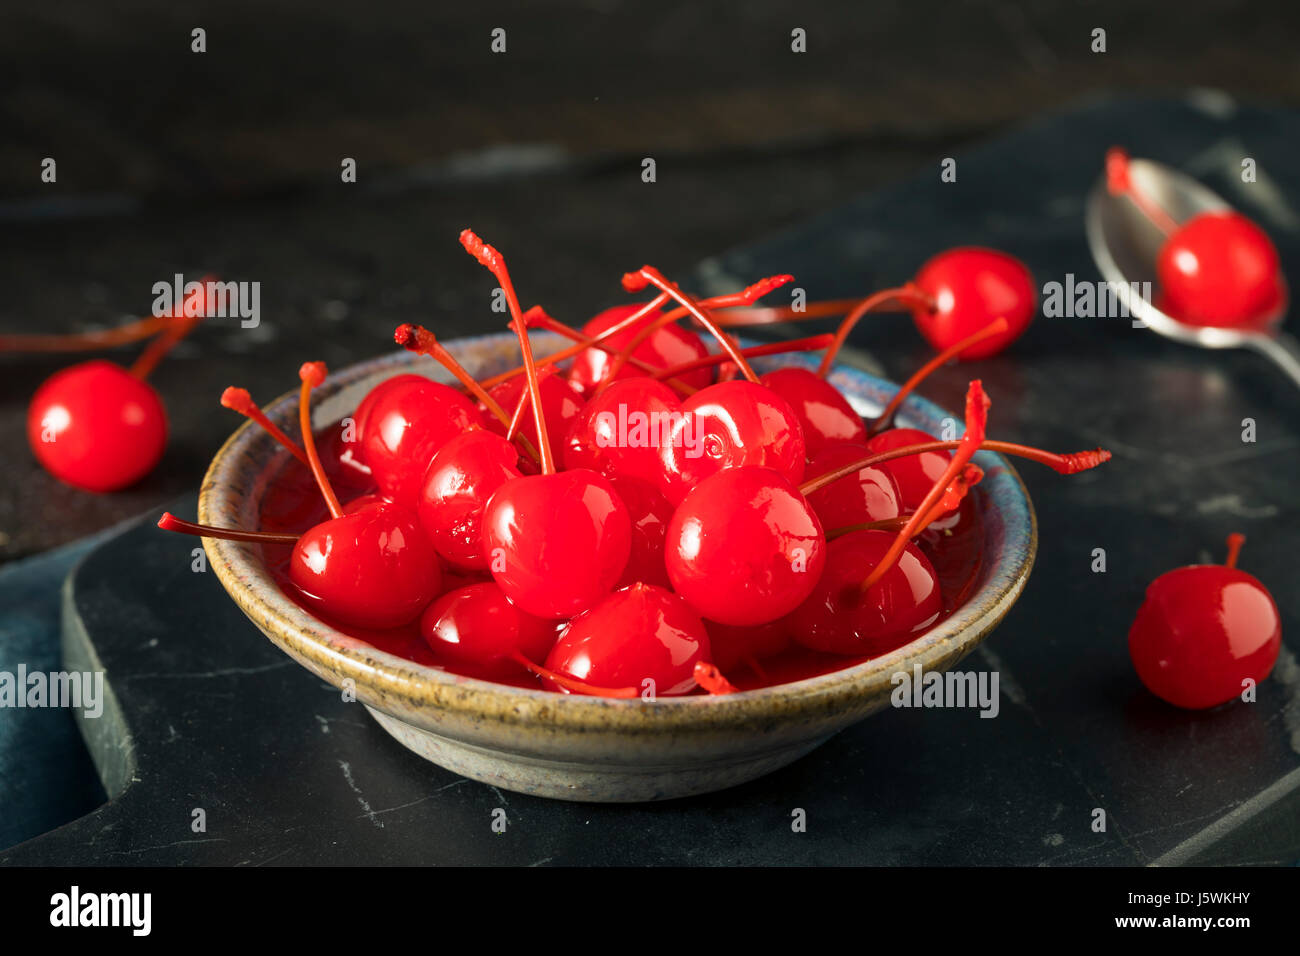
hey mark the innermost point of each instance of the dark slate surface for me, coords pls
(288, 773)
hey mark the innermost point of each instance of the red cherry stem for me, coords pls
(536, 317)
(87, 341)
(886, 418)
(908, 295)
(1235, 541)
(649, 275)
(238, 400)
(950, 501)
(571, 683)
(770, 315)
(1119, 181)
(1064, 463)
(977, 413)
(496, 264)
(744, 297)
(312, 374)
(169, 522)
(584, 343)
(810, 344)
(182, 326)
(418, 339)
(710, 678)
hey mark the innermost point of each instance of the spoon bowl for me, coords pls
(1125, 246)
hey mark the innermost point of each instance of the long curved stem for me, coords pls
(312, 374)
(182, 325)
(238, 400)
(169, 522)
(1119, 181)
(87, 341)
(906, 294)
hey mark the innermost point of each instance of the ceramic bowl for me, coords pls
(589, 748)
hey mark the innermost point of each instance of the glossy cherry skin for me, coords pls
(561, 404)
(106, 429)
(463, 475)
(1220, 269)
(374, 568)
(840, 618)
(620, 431)
(636, 635)
(405, 427)
(478, 627)
(735, 647)
(649, 512)
(826, 415)
(972, 287)
(665, 347)
(872, 494)
(914, 474)
(556, 544)
(1201, 631)
(352, 437)
(744, 547)
(727, 426)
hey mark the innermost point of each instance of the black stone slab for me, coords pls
(213, 717)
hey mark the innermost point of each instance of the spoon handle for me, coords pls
(1283, 350)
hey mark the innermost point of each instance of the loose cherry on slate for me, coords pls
(1204, 632)
(554, 542)
(1216, 269)
(97, 425)
(372, 566)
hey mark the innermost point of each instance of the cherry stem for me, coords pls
(536, 317)
(1065, 463)
(571, 683)
(181, 326)
(418, 339)
(908, 295)
(952, 497)
(496, 264)
(636, 281)
(977, 411)
(1235, 541)
(1119, 181)
(312, 374)
(710, 678)
(87, 341)
(238, 400)
(810, 344)
(770, 315)
(886, 418)
(583, 343)
(169, 522)
(745, 296)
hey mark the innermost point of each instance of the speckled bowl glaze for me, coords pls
(589, 748)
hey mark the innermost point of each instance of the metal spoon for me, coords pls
(1124, 245)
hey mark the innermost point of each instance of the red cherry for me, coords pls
(1220, 269)
(560, 401)
(744, 547)
(355, 435)
(825, 414)
(405, 427)
(463, 475)
(478, 627)
(735, 647)
(727, 426)
(915, 474)
(372, 568)
(639, 634)
(649, 512)
(970, 288)
(96, 426)
(840, 617)
(872, 494)
(1204, 630)
(668, 345)
(619, 432)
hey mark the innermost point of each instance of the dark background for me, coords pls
(228, 161)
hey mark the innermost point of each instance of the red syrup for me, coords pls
(292, 503)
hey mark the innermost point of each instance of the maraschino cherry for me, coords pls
(555, 542)
(968, 289)
(1204, 631)
(477, 627)
(1216, 269)
(666, 346)
(99, 426)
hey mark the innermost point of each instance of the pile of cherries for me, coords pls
(634, 516)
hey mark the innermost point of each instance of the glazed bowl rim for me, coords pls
(242, 572)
